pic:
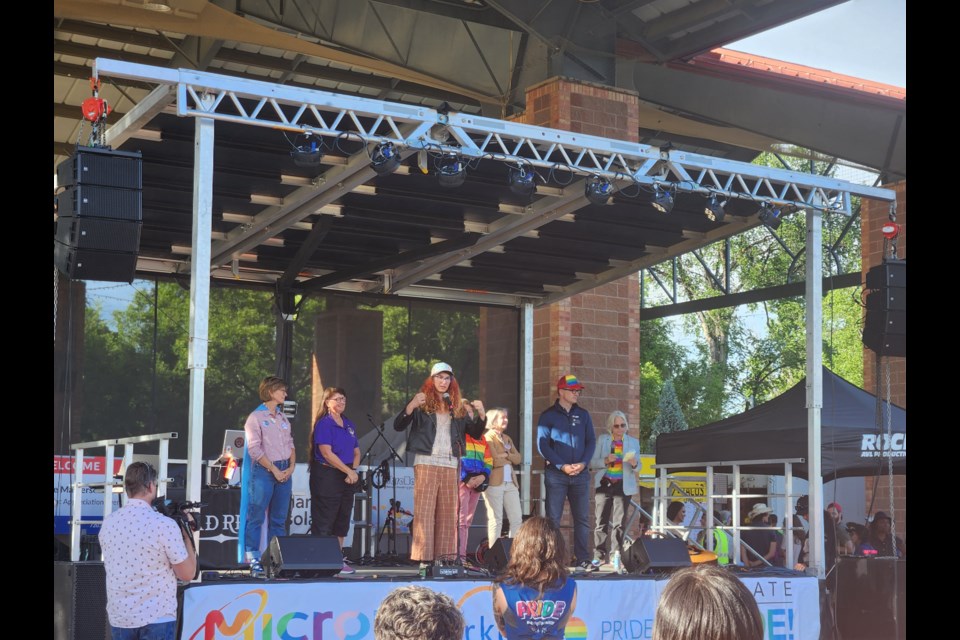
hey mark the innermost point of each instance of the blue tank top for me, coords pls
(543, 618)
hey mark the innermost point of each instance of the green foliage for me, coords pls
(669, 415)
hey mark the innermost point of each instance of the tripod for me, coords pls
(387, 474)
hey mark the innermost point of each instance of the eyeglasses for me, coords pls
(339, 399)
(442, 378)
(573, 391)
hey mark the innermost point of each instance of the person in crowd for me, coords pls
(438, 419)
(268, 464)
(418, 612)
(881, 538)
(706, 602)
(534, 597)
(566, 440)
(763, 541)
(475, 466)
(676, 514)
(860, 537)
(780, 559)
(503, 494)
(844, 545)
(829, 546)
(333, 468)
(144, 554)
(615, 460)
(722, 541)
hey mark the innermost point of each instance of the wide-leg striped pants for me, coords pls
(434, 512)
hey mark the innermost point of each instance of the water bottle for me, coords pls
(616, 562)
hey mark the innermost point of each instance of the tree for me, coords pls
(669, 417)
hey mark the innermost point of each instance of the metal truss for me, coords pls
(265, 104)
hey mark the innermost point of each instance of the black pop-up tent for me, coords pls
(852, 444)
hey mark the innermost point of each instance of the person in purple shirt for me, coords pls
(335, 454)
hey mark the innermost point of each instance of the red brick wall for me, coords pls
(594, 335)
(874, 214)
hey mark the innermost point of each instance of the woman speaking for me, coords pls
(438, 419)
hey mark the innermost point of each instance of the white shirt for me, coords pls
(140, 547)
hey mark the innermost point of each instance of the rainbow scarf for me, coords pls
(476, 458)
(615, 470)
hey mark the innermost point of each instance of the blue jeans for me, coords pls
(265, 492)
(157, 631)
(576, 488)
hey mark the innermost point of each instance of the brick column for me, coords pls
(873, 215)
(594, 335)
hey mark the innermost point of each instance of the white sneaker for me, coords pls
(347, 569)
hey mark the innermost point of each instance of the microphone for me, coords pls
(446, 398)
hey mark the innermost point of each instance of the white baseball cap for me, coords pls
(441, 367)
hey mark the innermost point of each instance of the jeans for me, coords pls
(576, 488)
(266, 492)
(156, 631)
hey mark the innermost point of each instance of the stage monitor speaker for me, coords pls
(106, 167)
(868, 590)
(80, 601)
(302, 556)
(885, 322)
(498, 556)
(85, 264)
(659, 554)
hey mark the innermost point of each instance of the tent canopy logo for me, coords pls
(883, 445)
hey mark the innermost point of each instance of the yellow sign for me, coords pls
(697, 489)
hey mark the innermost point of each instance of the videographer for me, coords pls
(144, 553)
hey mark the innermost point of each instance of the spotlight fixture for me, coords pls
(713, 209)
(598, 190)
(385, 159)
(522, 180)
(451, 172)
(770, 215)
(662, 199)
(307, 151)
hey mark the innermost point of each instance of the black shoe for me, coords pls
(587, 566)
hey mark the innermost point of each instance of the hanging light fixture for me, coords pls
(451, 172)
(713, 208)
(307, 151)
(662, 199)
(598, 190)
(385, 159)
(522, 180)
(770, 215)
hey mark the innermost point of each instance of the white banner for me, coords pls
(91, 500)
(613, 609)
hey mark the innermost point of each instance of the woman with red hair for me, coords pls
(439, 419)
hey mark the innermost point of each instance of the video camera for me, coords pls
(178, 512)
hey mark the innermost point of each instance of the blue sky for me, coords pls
(862, 38)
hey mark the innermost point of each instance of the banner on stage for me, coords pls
(91, 500)
(345, 610)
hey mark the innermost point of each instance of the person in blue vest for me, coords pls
(535, 596)
(566, 440)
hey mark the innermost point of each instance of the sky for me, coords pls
(861, 38)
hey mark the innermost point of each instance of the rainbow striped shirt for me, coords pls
(615, 470)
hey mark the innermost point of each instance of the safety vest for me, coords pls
(721, 545)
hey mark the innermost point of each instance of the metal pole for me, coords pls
(526, 403)
(814, 294)
(199, 296)
(76, 506)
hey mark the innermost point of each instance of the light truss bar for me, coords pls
(325, 113)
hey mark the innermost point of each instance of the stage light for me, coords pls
(522, 180)
(307, 151)
(713, 209)
(662, 199)
(384, 159)
(598, 190)
(451, 172)
(770, 215)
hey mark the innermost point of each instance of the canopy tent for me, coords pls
(853, 443)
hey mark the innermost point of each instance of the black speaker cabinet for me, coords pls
(80, 601)
(302, 556)
(885, 323)
(499, 555)
(868, 591)
(95, 201)
(87, 264)
(659, 554)
(99, 234)
(106, 167)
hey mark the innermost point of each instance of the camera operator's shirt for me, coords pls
(140, 547)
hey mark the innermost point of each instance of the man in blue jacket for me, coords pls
(566, 440)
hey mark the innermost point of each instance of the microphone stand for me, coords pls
(391, 517)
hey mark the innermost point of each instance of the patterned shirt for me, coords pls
(615, 469)
(140, 547)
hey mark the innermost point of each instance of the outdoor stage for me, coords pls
(609, 607)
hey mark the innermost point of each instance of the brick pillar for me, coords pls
(594, 335)
(873, 215)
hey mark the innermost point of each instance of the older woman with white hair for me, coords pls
(615, 460)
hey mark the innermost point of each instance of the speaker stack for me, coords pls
(885, 325)
(100, 212)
